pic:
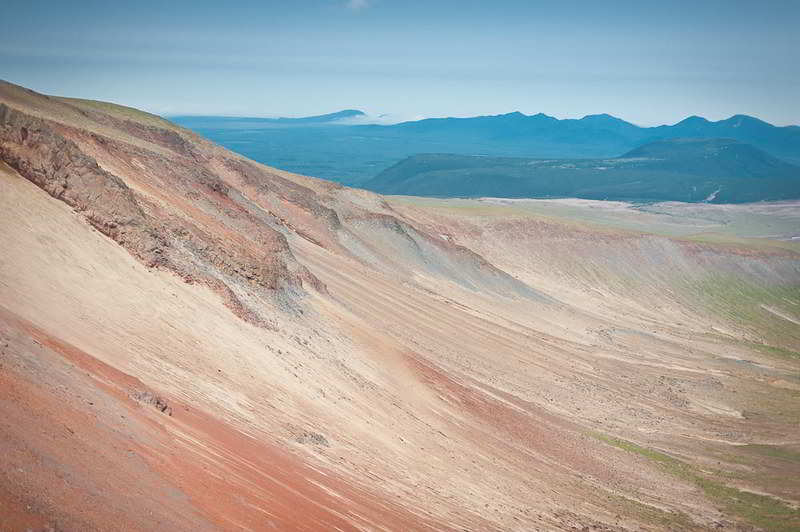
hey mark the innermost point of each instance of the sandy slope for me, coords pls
(214, 344)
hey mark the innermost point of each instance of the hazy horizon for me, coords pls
(384, 119)
(643, 62)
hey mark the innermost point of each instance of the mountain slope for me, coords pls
(719, 170)
(193, 341)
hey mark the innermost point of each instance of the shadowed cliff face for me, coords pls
(193, 341)
(56, 165)
(159, 235)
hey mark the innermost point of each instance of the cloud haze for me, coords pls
(357, 5)
(645, 61)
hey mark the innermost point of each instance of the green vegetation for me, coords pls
(747, 304)
(651, 514)
(774, 451)
(691, 170)
(775, 351)
(763, 511)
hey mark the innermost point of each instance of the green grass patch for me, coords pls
(668, 463)
(742, 301)
(773, 451)
(763, 511)
(671, 520)
(775, 351)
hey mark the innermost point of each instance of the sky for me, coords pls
(645, 61)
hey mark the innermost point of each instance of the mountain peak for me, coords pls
(605, 118)
(693, 120)
(601, 116)
(738, 120)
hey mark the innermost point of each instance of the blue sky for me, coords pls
(647, 62)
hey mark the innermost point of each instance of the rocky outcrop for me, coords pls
(57, 166)
(57, 159)
(146, 397)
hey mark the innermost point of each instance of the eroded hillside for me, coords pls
(192, 341)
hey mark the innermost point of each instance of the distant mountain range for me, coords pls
(594, 135)
(328, 146)
(713, 170)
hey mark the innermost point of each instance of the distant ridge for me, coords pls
(694, 170)
(192, 121)
(330, 117)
